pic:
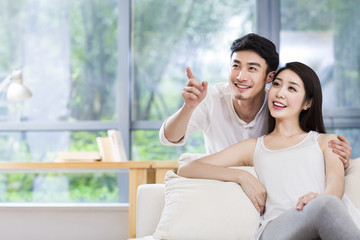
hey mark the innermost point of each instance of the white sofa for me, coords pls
(151, 202)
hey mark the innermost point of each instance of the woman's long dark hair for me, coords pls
(310, 119)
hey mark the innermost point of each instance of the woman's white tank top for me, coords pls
(290, 173)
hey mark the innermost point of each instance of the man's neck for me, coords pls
(248, 109)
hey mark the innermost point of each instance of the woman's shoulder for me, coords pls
(249, 142)
(324, 138)
(246, 146)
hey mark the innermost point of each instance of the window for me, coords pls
(68, 53)
(322, 35)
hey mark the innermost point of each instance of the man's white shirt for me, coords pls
(215, 116)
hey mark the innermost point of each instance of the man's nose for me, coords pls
(242, 75)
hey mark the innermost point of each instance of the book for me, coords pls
(80, 156)
(117, 145)
(105, 149)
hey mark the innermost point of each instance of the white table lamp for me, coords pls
(17, 91)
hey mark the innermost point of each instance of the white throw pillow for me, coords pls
(205, 209)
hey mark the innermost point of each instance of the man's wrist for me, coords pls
(188, 108)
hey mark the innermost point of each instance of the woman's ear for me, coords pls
(308, 104)
(270, 77)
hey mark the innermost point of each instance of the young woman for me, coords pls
(303, 178)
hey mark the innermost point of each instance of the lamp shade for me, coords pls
(18, 92)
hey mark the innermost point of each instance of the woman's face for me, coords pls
(286, 96)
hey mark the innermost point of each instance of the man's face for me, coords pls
(248, 75)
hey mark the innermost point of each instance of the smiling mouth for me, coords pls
(277, 104)
(241, 86)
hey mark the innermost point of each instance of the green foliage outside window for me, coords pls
(170, 35)
(94, 51)
(59, 187)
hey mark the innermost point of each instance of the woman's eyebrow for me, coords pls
(295, 83)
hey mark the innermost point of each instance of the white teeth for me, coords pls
(242, 87)
(278, 104)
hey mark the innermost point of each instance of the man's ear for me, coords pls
(270, 77)
(308, 104)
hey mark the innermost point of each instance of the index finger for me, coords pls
(189, 73)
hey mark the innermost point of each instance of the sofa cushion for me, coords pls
(205, 209)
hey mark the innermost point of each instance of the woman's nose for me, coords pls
(280, 93)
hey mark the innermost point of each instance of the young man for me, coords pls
(230, 112)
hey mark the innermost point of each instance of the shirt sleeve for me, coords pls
(197, 122)
(165, 141)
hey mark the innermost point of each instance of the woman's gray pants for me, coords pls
(325, 217)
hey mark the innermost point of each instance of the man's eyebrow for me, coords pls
(254, 64)
(250, 63)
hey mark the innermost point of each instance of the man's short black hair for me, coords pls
(262, 46)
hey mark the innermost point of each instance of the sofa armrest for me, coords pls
(352, 181)
(150, 203)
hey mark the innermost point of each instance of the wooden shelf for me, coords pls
(164, 164)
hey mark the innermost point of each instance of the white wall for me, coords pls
(46, 222)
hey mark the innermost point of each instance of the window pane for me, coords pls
(170, 35)
(43, 146)
(146, 146)
(62, 188)
(67, 51)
